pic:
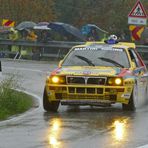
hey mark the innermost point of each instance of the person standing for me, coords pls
(15, 35)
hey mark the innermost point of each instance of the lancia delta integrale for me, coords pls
(98, 73)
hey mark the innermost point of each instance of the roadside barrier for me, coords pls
(51, 49)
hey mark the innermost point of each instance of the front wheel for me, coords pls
(133, 102)
(49, 106)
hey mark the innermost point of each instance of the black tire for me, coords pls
(49, 106)
(131, 106)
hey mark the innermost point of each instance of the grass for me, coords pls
(12, 102)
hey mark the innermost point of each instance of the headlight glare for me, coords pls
(55, 79)
(118, 81)
(58, 80)
(113, 81)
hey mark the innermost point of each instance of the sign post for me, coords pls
(137, 15)
(137, 18)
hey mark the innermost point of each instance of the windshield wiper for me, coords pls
(86, 60)
(111, 61)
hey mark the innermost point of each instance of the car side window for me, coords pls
(134, 57)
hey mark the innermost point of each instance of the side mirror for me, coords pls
(60, 63)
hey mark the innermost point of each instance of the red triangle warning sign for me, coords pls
(138, 11)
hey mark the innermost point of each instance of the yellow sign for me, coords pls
(8, 23)
(136, 32)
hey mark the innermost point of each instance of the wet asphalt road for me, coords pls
(71, 127)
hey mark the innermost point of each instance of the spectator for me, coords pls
(24, 34)
(31, 36)
(93, 35)
(44, 36)
(15, 35)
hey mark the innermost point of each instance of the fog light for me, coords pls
(110, 81)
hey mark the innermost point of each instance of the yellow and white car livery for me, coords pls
(98, 73)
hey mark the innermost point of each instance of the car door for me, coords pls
(140, 72)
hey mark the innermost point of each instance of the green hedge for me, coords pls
(12, 102)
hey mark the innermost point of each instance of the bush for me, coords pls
(11, 101)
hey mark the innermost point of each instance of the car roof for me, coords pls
(124, 45)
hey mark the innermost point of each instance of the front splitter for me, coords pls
(104, 103)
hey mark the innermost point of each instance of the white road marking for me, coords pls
(26, 69)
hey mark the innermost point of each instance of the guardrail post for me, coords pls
(16, 55)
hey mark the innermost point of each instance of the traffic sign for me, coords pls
(137, 15)
(136, 32)
(8, 23)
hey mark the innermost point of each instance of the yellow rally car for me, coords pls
(98, 73)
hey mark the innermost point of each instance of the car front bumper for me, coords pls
(85, 94)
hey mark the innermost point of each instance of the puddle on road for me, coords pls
(67, 127)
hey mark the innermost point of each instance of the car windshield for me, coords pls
(97, 56)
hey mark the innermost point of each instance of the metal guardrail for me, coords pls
(61, 44)
(59, 47)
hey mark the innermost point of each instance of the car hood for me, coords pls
(92, 71)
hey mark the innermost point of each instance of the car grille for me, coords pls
(86, 80)
(83, 90)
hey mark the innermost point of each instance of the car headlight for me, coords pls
(118, 81)
(115, 81)
(57, 80)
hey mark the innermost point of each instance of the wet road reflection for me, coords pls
(119, 130)
(71, 127)
(54, 133)
(76, 126)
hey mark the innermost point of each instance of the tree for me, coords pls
(109, 15)
(27, 10)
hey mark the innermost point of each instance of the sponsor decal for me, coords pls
(95, 48)
(127, 96)
(86, 72)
